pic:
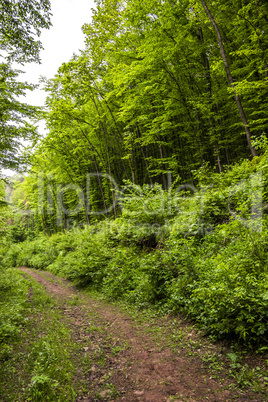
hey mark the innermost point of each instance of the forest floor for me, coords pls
(126, 357)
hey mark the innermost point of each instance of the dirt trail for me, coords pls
(142, 370)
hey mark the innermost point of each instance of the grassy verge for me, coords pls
(36, 353)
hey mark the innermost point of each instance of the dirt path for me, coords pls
(140, 368)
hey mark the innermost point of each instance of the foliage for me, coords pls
(14, 121)
(21, 24)
(31, 343)
(146, 102)
(227, 296)
(147, 126)
(13, 292)
(207, 259)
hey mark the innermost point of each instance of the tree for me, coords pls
(152, 96)
(20, 26)
(230, 78)
(20, 23)
(13, 123)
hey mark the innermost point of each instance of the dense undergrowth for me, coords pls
(202, 252)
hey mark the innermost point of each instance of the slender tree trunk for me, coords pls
(185, 104)
(132, 163)
(162, 166)
(143, 154)
(230, 78)
(44, 224)
(93, 149)
(116, 127)
(218, 157)
(107, 153)
(209, 91)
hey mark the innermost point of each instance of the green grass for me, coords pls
(36, 361)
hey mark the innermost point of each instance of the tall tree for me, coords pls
(230, 78)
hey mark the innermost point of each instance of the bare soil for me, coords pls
(139, 368)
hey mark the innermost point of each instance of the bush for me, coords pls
(199, 253)
(228, 296)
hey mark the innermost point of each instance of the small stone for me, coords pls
(104, 393)
(138, 393)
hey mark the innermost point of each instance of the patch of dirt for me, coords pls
(139, 368)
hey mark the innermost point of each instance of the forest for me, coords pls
(150, 184)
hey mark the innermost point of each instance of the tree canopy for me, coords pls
(162, 89)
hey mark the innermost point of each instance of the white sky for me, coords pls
(60, 42)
